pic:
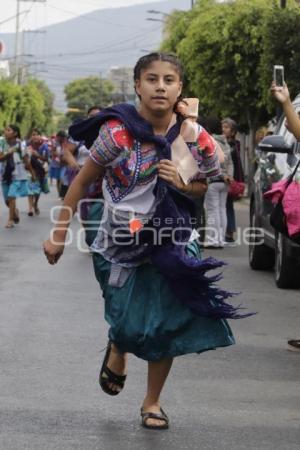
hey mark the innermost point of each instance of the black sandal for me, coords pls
(108, 376)
(158, 416)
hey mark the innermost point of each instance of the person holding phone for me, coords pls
(281, 93)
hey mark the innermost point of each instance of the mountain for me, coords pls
(92, 43)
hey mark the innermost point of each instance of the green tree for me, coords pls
(175, 29)
(281, 45)
(8, 102)
(85, 92)
(228, 50)
(31, 109)
(221, 52)
(48, 97)
(26, 106)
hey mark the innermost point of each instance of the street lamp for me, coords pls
(154, 11)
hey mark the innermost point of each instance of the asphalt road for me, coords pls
(52, 330)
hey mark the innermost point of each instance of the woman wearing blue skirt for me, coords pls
(14, 171)
(159, 302)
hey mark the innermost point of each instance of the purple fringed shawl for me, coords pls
(186, 275)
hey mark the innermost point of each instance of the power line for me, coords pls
(106, 46)
(83, 17)
(14, 16)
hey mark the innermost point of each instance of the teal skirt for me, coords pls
(17, 188)
(34, 187)
(146, 319)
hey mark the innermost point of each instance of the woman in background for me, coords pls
(230, 128)
(217, 192)
(14, 173)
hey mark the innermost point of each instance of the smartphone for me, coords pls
(278, 75)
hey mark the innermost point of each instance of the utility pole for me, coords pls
(100, 88)
(283, 3)
(17, 44)
(17, 38)
(192, 4)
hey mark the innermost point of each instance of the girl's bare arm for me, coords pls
(281, 93)
(54, 246)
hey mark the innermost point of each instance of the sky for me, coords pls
(38, 14)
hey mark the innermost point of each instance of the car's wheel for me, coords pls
(261, 257)
(286, 271)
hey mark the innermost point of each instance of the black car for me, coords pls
(277, 156)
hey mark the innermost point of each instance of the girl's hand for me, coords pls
(281, 93)
(168, 172)
(53, 249)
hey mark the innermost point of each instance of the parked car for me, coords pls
(277, 156)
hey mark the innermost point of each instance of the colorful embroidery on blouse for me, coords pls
(204, 152)
(148, 165)
(104, 149)
(128, 163)
(206, 142)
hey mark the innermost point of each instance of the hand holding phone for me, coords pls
(278, 75)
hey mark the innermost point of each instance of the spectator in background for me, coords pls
(260, 134)
(14, 174)
(229, 128)
(39, 155)
(216, 195)
(61, 143)
(93, 110)
(75, 155)
(55, 162)
(281, 93)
